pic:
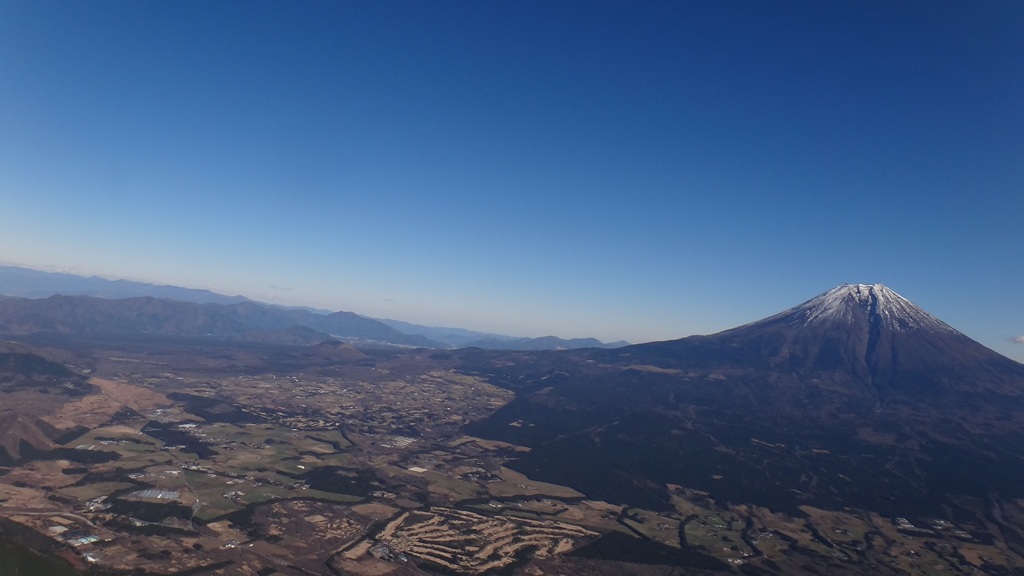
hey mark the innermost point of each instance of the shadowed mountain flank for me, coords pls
(855, 398)
(32, 387)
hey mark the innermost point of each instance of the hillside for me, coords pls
(855, 399)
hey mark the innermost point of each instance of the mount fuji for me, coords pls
(856, 399)
(864, 336)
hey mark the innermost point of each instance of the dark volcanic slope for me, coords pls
(21, 366)
(856, 398)
(31, 386)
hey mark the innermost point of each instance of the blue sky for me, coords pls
(574, 168)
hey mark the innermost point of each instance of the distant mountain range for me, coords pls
(28, 283)
(453, 337)
(245, 321)
(542, 343)
(462, 338)
(34, 301)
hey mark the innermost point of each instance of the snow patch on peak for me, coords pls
(843, 302)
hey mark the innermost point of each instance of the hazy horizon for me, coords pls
(609, 170)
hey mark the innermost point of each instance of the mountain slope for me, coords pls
(856, 399)
(32, 387)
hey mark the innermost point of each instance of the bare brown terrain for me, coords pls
(211, 461)
(259, 460)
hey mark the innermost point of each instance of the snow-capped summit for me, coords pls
(882, 305)
(858, 336)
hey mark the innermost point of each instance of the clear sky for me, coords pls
(627, 170)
